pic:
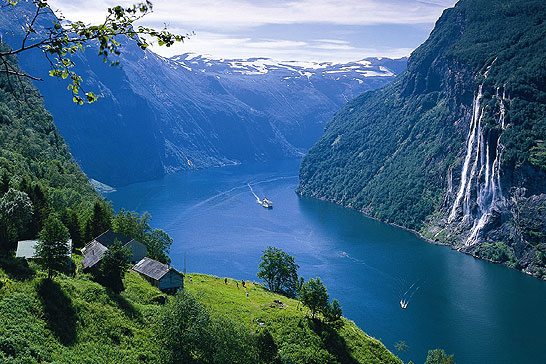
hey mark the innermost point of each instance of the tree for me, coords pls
(114, 264)
(314, 295)
(61, 40)
(15, 214)
(52, 250)
(188, 333)
(71, 221)
(4, 183)
(334, 312)
(439, 356)
(158, 244)
(279, 271)
(130, 223)
(100, 221)
(40, 207)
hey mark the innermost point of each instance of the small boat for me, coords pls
(268, 204)
(403, 304)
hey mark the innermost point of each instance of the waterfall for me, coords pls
(470, 142)
(480, 189)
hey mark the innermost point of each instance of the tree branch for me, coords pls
(15, 73)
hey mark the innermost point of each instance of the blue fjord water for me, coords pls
(479, 311)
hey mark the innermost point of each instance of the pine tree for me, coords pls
(53, 248)
(101, 220)
(71, 221)
(4, 183)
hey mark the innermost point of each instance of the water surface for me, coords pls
(481, 312)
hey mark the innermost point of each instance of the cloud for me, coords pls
(335, 41)
(222, 14)
(260, 28)
(333, 46)
(220, 46)
(270, 43)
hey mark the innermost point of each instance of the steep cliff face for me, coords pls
(162, 115)
(454, 148)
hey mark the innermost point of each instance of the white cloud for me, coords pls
(276, 44)
(335, 41)
(219, 14)
(220, 46)
(333, 46)
(232, 28)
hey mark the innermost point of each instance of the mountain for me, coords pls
(36, 166)
(454, 148)
(161, 115)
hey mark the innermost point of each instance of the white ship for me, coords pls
(268, 204)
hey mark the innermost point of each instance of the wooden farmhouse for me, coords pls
(27, 249)
(92, 254)
(138, 250)
(160, 275)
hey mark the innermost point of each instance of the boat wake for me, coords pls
(408, 294)
(360, 261)
(251, 190)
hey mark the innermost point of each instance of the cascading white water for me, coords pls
(470, 141)
(480, 187)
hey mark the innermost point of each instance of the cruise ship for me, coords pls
(268, 204)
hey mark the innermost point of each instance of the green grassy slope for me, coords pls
(75, 320)
(298, 338)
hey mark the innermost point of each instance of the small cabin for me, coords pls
(160, 275)
(27, 249)
(92, 254)
(108, 238)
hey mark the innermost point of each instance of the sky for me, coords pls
(302, 30)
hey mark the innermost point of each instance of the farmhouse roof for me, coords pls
(94, 252)
(152, 268)
(108, 238)
(27, 249)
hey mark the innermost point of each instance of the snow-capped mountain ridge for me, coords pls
(366, 67)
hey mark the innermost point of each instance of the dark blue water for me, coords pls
(481, 312)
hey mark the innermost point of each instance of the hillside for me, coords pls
(35, 160)
(298, 339)
(32, 147)
(454, 148)
(161, 115)
(75, 320)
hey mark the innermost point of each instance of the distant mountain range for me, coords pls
(160, 115)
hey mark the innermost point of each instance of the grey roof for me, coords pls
(27, 249)
(135, 241)
(152, 268)
(94, 252)
(109, 237)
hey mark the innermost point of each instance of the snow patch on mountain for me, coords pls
(357, 70)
